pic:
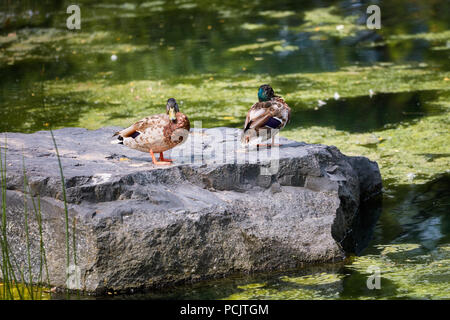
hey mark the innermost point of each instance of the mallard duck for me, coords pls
(265, 118)
(157, 133)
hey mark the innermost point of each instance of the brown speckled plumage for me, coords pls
(157, 133)
(261, 111)
(266, 118)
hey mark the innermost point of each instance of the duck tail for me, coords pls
(118, 141)
(119, 138)
(246, 136)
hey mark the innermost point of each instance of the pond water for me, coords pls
(384, 94)
(366, 114)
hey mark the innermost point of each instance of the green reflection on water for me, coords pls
(212, 55)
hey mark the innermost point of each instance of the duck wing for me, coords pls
(273, 114)
(128, 132)
(140, 126)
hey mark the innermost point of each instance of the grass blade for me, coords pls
(66, 211)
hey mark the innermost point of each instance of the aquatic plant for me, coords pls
(31, 288)
(13, 287)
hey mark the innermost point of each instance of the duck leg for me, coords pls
(275, 144)
(269, 145)
(157, 162)
(161, 158)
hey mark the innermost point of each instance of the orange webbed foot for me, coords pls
(269, 145)
(161, 158)
(161, 162)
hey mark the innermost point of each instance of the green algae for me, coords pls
(429, 36)
(355, 81)
(255, 47)
(253, 26)
(409, 276)
(285, 48)
(439, 41)
(328, 22)
(315, 279)
(276, 14)
(275, 294)
(401, 155)
(252, 286)
(11, 37)
(316, 285)
(394, 248)
(399, 150)
(218, 88)
(415, 276)
(20, 292)
(320, 23)
(267, 47)
(48, 44)
(305, 289)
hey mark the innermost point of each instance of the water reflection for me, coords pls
(186, 42)
(366, 114)
(414, 213)
(363, 226)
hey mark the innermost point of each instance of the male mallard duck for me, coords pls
(157, 133)
(266, 117)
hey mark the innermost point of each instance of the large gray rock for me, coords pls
(218, 210)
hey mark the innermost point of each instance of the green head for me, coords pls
(265, 93)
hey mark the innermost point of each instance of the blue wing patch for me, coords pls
(273, 123)
(135, 134)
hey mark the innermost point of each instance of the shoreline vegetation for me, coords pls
(13, 287)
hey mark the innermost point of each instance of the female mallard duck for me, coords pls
(157, 133)
(265, 118)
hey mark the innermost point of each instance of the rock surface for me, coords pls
(217, 210)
